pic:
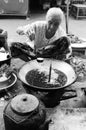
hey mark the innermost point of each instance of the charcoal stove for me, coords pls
(25, 112)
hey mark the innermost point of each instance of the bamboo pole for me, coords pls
(67, 15)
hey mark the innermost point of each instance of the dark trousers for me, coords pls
(58, 50)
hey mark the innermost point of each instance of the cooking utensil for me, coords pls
(50, 69)
(4, 85)
(62, 66)
(25, 112)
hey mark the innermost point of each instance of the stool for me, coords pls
(78, 10)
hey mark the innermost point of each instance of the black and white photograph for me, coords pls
(42, 64)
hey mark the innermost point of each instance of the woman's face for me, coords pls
(52, 25)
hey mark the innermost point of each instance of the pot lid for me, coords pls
(24, 103)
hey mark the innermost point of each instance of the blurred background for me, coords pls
(14, 13)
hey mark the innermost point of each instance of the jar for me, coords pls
(25, 112)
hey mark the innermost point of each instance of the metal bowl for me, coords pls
(62, 66)
(8, 83)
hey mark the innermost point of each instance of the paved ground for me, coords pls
(77, 27)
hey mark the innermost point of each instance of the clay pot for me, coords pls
(25, 112)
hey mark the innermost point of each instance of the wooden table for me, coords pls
(78, 10)
(79, 46)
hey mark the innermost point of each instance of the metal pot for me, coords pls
(64, 67)
(25, 112)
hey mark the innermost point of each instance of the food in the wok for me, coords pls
(40, 78)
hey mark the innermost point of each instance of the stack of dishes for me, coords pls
(7, 78)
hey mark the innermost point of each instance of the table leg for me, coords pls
(85, 52)
(77, 13)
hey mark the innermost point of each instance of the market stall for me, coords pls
(14, 7)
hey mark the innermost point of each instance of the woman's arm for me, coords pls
(28, 30)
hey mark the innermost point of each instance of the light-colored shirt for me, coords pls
(39, 29)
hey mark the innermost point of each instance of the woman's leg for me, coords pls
(58, 49)
(20, 50)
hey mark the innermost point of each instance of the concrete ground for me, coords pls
(77, 27)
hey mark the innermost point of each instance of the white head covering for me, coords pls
(55, 13)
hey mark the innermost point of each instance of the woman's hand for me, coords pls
(31, 34)
(20, 31)
(28, 32)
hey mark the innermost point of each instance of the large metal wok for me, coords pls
(62, 66)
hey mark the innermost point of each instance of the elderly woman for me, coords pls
(47, 37)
